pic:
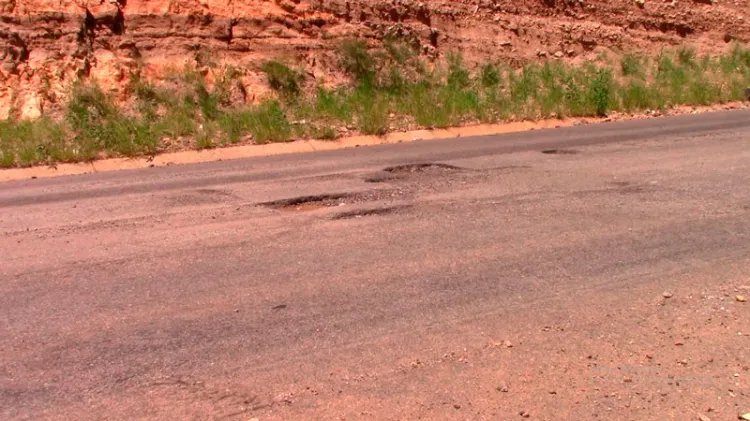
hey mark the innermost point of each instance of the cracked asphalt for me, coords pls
(593, 272)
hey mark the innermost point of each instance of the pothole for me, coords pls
(311, 203)
(632, 189)
(619, 187)
(200, 197)
(559, 151)
(381, 178)
(628, 187)
(402, 172)
(307, 203)
(360, 213)
(421, 168)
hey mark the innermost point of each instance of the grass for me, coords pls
(283, 79)
(392, 89)
(633, 65)
(356, 59)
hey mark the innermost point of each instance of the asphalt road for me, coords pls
(564, 274)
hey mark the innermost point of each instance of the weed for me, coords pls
(324, 133)
(206, 101)
(282, 78)
(637, 96)
(179, 121)
(458, 76)
(33, 142)
(400, 52)
(524, 87)
(701, 92)
(552, 95)
(574, 93)
(632, 66)
(268, 123)
(490, 76)
(421, 101)
(27, 156)
(7, 159)
(147, 98)
(204, 58)
(373, 113)
(204, 141)
(235, 124)
(686, 56)
(601, 91)
(396, 81)
(88, 103)
(355, 59)
(330, 104)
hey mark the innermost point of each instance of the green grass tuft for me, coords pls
(268, 123)
(356, 59)
(601, 92)
(632, 65)
(490, 76)
(283, 79)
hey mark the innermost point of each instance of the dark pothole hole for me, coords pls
(400, 171)
(311, 203)
(559, 151)
(418, 168)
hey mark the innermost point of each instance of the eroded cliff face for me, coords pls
(48, 44)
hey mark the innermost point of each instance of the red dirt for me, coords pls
(50, 44)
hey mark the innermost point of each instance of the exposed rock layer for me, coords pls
(50, 44)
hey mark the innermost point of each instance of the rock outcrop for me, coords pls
(47, 45)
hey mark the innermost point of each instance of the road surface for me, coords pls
(594, 272)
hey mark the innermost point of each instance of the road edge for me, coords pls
(302, 146)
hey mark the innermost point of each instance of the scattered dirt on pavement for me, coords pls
(629, 354)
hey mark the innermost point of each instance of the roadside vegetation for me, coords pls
(391, 89)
